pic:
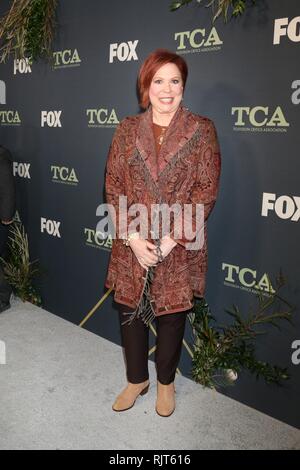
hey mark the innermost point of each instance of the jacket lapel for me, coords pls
(180, 130)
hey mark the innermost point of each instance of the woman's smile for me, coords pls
(166, 100)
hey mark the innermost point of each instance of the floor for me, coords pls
(59, 381)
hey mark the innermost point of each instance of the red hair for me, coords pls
(153, 62)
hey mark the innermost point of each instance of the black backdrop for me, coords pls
(58, 124)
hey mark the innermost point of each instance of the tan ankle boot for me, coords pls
(165, 402)
(128, 396)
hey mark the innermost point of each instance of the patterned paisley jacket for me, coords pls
(188, 172)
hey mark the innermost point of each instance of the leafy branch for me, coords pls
(219, 349)
(27, 29)
(219, 7)
(19, 271)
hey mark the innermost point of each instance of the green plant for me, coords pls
(221, 349)
(27, 29)
(237, 7)
(19, 271)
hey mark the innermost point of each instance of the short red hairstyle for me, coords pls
(153, 62)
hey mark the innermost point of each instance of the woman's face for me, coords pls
(166, 89)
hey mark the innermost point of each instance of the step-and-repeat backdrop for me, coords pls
(58, 122)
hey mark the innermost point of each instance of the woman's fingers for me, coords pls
(152, 258)
(149, 256)
(144, 251)
(142, 263)
(147, 263)
(150, 245)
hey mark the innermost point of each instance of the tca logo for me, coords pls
(22, 65)
(259, 116)
(97, 238)
(10, 117)
(197, 38)
(247, 277)
(67, 57)
(284, 27)
(17, 217)
(51, 118)
(102, 116)
(50, 226)
(125, 51)
(285, 207)
(62, 173)
(21, 170)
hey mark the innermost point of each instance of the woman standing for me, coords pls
(166, 155)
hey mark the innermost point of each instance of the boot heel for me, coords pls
(145, 390)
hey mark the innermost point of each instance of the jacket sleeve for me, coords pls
(7, 188)
(115, 180)
(205, 188)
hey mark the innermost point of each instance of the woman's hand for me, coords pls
(144, 251)
(166, 245)
(6, 222)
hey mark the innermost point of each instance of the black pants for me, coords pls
(5, 288)
(135, 340)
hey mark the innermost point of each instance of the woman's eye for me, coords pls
(176, 81)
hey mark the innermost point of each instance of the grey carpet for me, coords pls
(60, 380)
